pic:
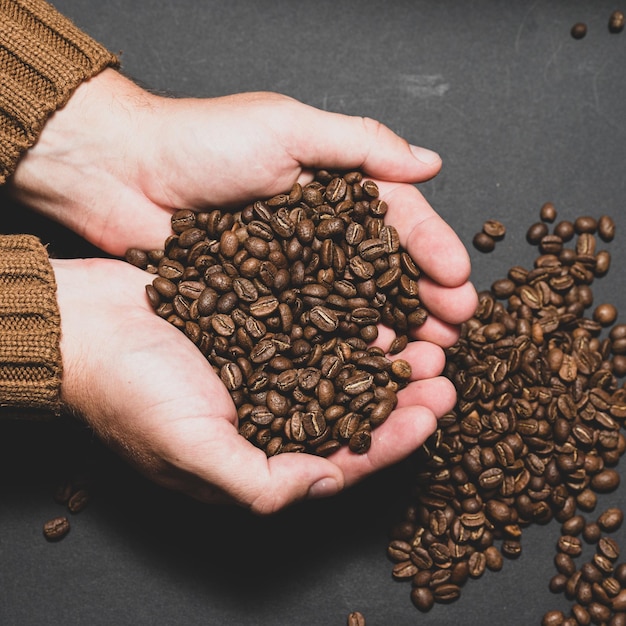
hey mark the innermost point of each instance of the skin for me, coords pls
(113, 165)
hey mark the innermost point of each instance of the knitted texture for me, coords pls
(30, 326)
(43, 58)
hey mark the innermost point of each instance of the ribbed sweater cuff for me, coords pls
(43, 58)
(30, 326)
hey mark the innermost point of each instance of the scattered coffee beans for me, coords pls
(284, 298)
(535, 434)
(596, 588)
(74, 494)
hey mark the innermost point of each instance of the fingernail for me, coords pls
(323, 488)
(425, 156)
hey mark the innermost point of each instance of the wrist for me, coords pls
(89, 139)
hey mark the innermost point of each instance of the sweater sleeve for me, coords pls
(43, 58)
(30, 328)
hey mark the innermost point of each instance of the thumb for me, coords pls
(331, 140)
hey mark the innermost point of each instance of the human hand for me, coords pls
(116, 161)
(150, 394)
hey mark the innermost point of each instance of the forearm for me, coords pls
(43, 58)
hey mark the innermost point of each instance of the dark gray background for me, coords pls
(521, 114)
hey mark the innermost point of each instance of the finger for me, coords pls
(427, 360)
(405, 430)
(232, 464)
(437, 331)
(320, 139)
(438, 394)
(453, 305)
(430, 241)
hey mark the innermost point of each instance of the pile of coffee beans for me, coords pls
(536, 432)
(284, 299)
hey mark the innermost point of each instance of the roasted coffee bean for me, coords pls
(483, 242)
(56, 528)
(578, 30)
(78, 501)
(536, 233)
(422, 598)
(494, 229)
(356, 618)
(605, 314)
(605, 481)
(547, 212)
(616, 22)
(611, 519)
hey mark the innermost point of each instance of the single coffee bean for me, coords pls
(585, 224)
(56, 528)
(578, 30)
(547, 212)
(422, 598)
(483, 242)
(605, 481)
(565, 230)
(536, 233)
(592, 532)
(611, 519)
(553, 618)
(616, 22)
(494, 229)
(78, 501)
(356, 618)
(605, 314)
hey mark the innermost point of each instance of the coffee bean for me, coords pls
(585, 224)
(494, 229)
(483, 242)
(616, 22)
(78, 501)
(536, 233)
(578, 30)
(605, 481)
(422, 598)
(553, 618)
(605, 314)
(548, 212)
(356, 618)
(611, 519)
(57, 528)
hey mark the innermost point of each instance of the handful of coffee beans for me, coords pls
(284, 299)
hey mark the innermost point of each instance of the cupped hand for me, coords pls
(150, 394)
(115, 162)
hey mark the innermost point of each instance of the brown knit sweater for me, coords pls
(43, 58)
